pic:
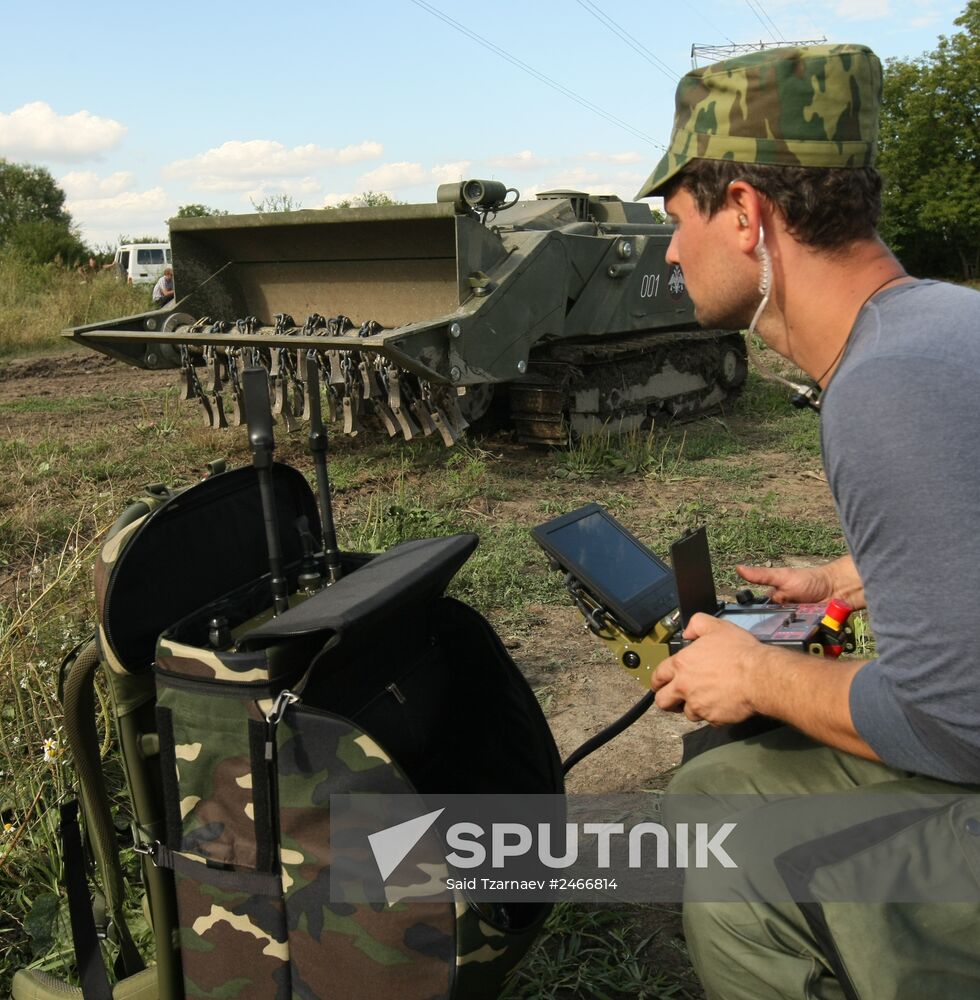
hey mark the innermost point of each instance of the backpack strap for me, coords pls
(78, 702)
(88, 957)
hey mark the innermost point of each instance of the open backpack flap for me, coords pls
(381, 684)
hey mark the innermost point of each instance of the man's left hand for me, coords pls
(713, 677)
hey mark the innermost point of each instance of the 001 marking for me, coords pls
(649, 286)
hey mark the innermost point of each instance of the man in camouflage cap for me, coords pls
(769, 179)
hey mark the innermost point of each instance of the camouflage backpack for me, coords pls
(232, 750)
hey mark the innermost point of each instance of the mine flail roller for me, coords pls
(561, 313)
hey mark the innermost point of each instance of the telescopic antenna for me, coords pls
(263, 444)
(318, 449)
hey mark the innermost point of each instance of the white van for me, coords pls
(142, 263)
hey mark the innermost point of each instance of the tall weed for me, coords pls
(37, 301)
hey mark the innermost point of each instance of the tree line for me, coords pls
(930, 155)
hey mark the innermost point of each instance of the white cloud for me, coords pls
(623, 183)
(81, 184)
(237, 165)
(103, 207)
(393, 175)
(335, 198)
(394, 178)
(446, 173)
(862, 10)
(102, 219)
(37, 131)
(626, 158)
(524, 160)
(300, 190)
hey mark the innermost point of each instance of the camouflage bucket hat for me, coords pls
(812, 107)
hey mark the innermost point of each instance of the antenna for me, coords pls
(318, 449)
(263, 444)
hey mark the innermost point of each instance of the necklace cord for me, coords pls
(847, 339)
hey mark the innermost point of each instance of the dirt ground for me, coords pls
(587, 694)
(73, 374)
(578, 683)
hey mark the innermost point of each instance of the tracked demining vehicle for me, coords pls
(560, 312)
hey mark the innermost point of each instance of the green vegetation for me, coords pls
(49, 279)
(930, 155)
(591, 952)
(34, 223)
(276, 203)
(197, 211)
(369, 199)
(37, 301)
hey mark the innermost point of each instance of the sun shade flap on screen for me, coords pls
(695, 581)
(410, 573)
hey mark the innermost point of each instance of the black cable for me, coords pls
(610, 732)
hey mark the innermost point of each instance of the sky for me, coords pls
(137, 110)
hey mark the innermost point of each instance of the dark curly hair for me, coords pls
(826, 208)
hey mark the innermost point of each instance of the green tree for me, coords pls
(930, 155)
(276, 203)
(369, 199)
(198, 211)
(42, 241)
(33, 220)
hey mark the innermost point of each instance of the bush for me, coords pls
(43, 241)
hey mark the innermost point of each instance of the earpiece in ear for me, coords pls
(765, 269)
(743, 219)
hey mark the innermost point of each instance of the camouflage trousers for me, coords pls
(758, 950)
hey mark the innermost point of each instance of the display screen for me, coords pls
(749, 620)
(608, 556)
(617, 569)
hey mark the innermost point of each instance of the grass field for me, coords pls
(72, 458)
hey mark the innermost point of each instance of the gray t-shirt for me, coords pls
(900, 429)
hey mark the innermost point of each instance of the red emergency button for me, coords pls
(836, 614)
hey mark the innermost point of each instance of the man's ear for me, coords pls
(744, 205)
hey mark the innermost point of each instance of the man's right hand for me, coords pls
(811, 584)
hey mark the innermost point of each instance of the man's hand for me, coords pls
(713, 677)
(726, 675)
(810, 585)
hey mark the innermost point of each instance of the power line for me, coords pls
(809, 16)
(604, 18)
(707, 20)
(531, 71)
(765, 14)
(748, 3)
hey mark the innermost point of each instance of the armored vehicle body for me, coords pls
(563, 308)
